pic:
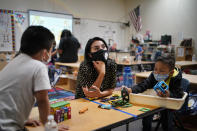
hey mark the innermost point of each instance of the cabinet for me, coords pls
(184, 53)
(153, 49)
(149, 48)
(68, 79)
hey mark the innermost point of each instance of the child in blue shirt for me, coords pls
(139, 49)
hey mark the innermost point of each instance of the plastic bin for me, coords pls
(150, 98)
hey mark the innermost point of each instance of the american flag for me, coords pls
(136, 18)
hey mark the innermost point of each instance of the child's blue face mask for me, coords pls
(160, 77)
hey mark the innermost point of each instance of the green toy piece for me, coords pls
(122, 101)
(144, 109)
(116, 103)
(126, 105)
(59, 104)
(125, 95)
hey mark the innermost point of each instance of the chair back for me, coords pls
(185, 84)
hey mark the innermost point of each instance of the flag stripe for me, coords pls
(133, 19)
(136, 18)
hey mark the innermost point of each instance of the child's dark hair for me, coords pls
(88, 46)
(136, 41)
(36, 38)
(168, 60)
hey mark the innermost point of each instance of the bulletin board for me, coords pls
(21, 23)
(7, 30)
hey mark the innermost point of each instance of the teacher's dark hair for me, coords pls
(88, 47)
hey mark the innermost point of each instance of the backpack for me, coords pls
(192, 104)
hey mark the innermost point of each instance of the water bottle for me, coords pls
(127, 77)
(194, 58)
(51, 125)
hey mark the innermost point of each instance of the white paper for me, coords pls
(180, 52)
(5, 32)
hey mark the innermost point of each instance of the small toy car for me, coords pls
(162, 86)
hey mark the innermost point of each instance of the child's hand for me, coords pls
(63, 128)
(166, 94)
(31, 122)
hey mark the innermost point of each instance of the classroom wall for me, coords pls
(174, 17)
(95, 10)
(110, 10)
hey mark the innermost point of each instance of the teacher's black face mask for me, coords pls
(101, 55)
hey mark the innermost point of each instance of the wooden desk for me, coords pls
(74, 65)
(140, 66)
(143, 75)
(77, 64)
(136, 63)
(186, 64)
(96, 118)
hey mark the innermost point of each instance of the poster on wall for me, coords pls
(21, 23)
(7, 35)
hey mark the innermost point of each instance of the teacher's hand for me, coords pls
(99, 66)
(95, 92)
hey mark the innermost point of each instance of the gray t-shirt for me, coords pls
(19, 80)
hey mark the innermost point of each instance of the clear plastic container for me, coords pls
(149, 97)
(51, 125)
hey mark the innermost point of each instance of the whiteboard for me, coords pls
(6, 41)
(111, 32)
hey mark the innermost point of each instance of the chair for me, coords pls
(3, 61)
(178, 123)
